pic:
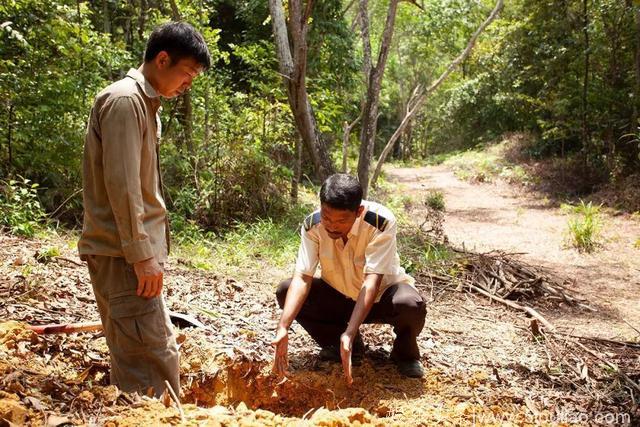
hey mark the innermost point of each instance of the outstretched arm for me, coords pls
(366, 299)
(296, 296)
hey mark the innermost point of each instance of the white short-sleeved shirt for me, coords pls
(370, 248)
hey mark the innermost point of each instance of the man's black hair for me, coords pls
(180, 40)
(341, 191)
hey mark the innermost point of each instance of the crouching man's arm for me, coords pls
(296, 296)
(366, 299)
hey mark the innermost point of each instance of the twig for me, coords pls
(175, 399)
(631, 326)
(517, 306)
(69, 260)
(52, 214)
(612, 366)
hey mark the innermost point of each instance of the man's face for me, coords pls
(174, 79)
(338, 222)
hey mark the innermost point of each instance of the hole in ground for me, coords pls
(298, 395)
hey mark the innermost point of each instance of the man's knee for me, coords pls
(410, 304)
(281, 292)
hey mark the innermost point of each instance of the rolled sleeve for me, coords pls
(122, 124)
(381, 253)
(308, 259)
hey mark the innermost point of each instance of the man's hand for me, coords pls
(149, 274)
(281, 343)
(346, 347)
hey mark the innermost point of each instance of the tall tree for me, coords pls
(374, 83)
(292, 64)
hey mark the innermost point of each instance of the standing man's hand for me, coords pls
(346, 347)
(149, 273)
(281, 344)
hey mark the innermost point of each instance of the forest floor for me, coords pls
(485, 365)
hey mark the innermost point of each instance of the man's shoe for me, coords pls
(329, 354)
(411, 368)
(332, 353)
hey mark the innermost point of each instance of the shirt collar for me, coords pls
(355, 228)
(144, 84)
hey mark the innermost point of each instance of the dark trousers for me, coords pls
(326, 312)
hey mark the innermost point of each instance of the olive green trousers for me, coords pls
(138, 330)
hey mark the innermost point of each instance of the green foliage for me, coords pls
(265, 243)
(48, 254)
(487, 164)
(20, 209)
(585, 225)
(435, 200)
(52, 62)
(419, 253)
(527, 73)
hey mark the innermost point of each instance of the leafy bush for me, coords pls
(435, 200)
(20, 209)
(584, 226)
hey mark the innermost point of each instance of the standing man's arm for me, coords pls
(296, 296)
(366, 299)
(122, 124)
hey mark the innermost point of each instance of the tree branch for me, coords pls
(421, 97)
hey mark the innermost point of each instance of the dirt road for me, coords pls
(485, 217)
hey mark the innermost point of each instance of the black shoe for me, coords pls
(411, 368)
(332, 353)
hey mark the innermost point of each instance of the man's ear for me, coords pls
(162, 60)
(359, 211)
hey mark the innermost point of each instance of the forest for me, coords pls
(503, 134)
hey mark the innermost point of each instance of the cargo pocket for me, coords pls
(138, 324)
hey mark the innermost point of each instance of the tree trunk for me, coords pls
(636, 98)
(10, 137)
(585, 84)
(142, 19)
(106, 18)
(363, 13)
(81, 79)
(370, 112)
(185, 109)
(345, 141)
(420, 95)
(297, 170)
(292, 62)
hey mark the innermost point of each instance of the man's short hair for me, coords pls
(341, 191)
(180, 40)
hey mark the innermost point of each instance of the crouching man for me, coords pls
(354, 241)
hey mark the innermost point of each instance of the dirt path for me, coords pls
(485, 217)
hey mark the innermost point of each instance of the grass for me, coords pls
(584, 226)
(417, 251)
(265, 243)
(435, 200)
(486, 164)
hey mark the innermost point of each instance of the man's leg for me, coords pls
(138, 330)
(325, 312)
(402, 307)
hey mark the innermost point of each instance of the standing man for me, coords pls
(354, 241)
(125, 235)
